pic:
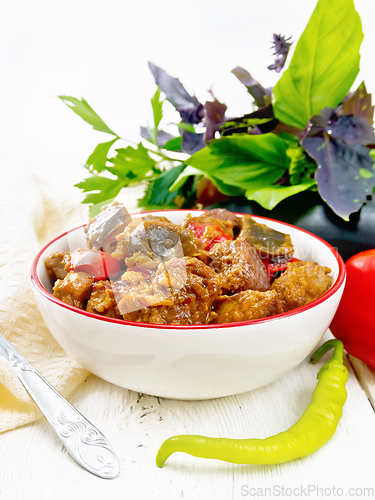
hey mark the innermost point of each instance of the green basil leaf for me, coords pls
(85, 111)
(96, 162)
(324, 65)
(190, 171)
(270, 196)
(244, 161)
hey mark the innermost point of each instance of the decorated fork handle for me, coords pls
(85, 443)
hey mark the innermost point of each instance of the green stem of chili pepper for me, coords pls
(314, 429)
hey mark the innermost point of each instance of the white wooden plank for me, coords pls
(366, 377)
(34, 464)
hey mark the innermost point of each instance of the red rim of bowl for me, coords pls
(339, 280)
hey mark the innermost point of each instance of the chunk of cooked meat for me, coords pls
(101, 231)
(58, 265)
(192, 288)
(238, 266)
(224, 215)
(136, 291)
(203, 255)
(74, 289)
(301, 283)
(246, 305)
(102, 300)
(268, 242)
(226, 221)
(156, 239)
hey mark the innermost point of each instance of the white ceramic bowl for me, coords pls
(191, 362)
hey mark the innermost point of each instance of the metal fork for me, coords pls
(85, 443)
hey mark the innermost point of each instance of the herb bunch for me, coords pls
(307, 133)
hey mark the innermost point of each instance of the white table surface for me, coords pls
(99, 51)
(34, 464)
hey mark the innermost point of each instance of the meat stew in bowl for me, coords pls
(219, 267)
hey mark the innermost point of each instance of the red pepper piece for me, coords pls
(218, 239)
(274, 269)
(198, 229)
(99, 265)
(209, 235)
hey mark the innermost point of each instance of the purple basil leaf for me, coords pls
(188, 106)
(321, 121)
(345, 174)
(352, 130)
(214, 118)
(281, 46)
(163, 137)
(348, 129)
(191, 143)
(317, 125)
(262, 96)
(192, 115)
(359, 104)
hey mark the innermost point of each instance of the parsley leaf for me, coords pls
(96, 162)
(85, 111)
(157, 108)
(153, 134)
(100, 189)
(173, 144)
(131, 165)
(157, 192)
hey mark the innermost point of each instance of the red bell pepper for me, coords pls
(354, 322)
(209, 235)
(99, 265)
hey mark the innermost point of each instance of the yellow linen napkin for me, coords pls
(32, 212)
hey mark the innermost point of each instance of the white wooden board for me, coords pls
(34, 464)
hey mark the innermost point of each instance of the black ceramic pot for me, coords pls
(306, 210)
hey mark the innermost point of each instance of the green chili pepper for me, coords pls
(314, 429)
